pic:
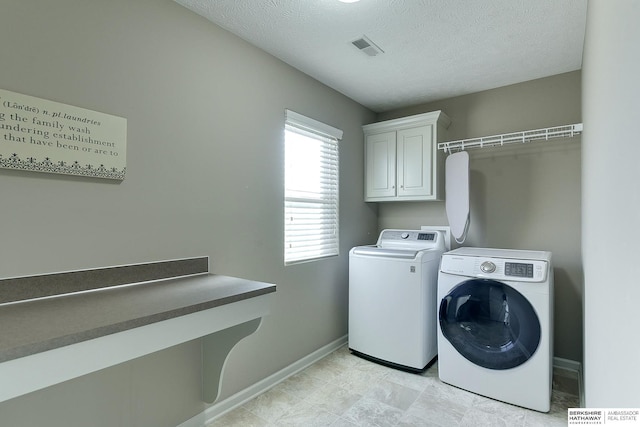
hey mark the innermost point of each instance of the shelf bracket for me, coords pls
(215, 350)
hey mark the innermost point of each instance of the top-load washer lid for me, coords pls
(405, 244)
(386, 253)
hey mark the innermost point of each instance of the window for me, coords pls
(311, 189)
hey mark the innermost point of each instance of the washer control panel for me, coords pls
(495, 268)
(411, 239)
(410, 235)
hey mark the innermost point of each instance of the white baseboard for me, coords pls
(220, 408)
(571, 369)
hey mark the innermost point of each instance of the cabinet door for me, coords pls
(380, 152)
(415, 161)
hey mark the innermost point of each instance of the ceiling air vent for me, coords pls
(367, 46)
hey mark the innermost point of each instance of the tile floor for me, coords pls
(343, 390)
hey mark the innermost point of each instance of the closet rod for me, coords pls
(566, 131)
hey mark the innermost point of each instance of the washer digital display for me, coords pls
(518, 269)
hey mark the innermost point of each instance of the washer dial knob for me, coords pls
(487, 267)
(405, 235)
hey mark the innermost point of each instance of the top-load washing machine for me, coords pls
(392, 297)
(495, 334)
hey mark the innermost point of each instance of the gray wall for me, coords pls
(522, 197)
(611, 106)
(205, 117)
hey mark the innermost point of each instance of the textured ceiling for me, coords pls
(433, 49)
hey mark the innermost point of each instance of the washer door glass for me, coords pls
(490, 323)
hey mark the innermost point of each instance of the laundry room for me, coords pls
(521, 196)
(204, 115)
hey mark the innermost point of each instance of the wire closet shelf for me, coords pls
(567, 131)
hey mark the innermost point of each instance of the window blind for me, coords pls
(311, 217)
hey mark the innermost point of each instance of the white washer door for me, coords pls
(490, 323)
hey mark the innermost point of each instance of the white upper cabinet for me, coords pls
(402, 159)
(381, 161)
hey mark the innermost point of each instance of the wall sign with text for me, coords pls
(46, 136)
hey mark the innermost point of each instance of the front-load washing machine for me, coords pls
(495, 324)
(392, 297)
